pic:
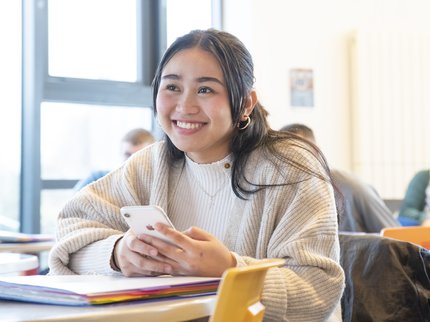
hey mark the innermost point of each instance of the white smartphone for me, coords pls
(142, 219)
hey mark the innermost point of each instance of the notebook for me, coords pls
(85, 290)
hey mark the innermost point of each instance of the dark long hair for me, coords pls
(238, 70)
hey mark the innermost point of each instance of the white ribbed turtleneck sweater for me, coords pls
(202, 196)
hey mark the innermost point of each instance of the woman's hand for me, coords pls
(194, 252)
(134, 257)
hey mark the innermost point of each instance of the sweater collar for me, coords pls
(211, 175)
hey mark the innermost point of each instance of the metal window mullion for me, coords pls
(86, 91)
(150, 38)
(152, 31)
(34, 49)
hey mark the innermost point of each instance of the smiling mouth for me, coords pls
(188, 125)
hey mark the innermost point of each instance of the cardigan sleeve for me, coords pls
(87, 229)
(90, 223)
(299, 224)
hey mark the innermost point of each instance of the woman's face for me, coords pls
(193, 107)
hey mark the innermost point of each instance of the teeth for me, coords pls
(189, 126)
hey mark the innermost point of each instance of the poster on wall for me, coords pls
(302, 87)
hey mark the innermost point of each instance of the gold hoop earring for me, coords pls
(244, 126)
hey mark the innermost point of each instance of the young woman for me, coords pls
(235, 190)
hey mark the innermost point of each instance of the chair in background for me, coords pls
(385, 279)
(419, 235)
(239, 293)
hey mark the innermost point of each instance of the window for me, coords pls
(93, 39)
(181, 17)
(96, 60)
(78, 139)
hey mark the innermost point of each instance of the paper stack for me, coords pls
(82, 290)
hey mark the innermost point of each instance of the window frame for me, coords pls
(38, 86)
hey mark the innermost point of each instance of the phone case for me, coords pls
(142, 219)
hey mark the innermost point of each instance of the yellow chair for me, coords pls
(239, 293)
(419, 235)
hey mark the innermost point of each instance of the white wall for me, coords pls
(285, 34)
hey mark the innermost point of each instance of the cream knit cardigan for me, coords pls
(297, 222)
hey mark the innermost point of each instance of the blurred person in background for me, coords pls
(364, 210)
(133, 141)
(415, 208)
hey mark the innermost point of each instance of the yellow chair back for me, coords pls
(239, 293)
(419, 235)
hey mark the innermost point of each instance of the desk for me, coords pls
(33, 247)
(18, 264)
(168, 310)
